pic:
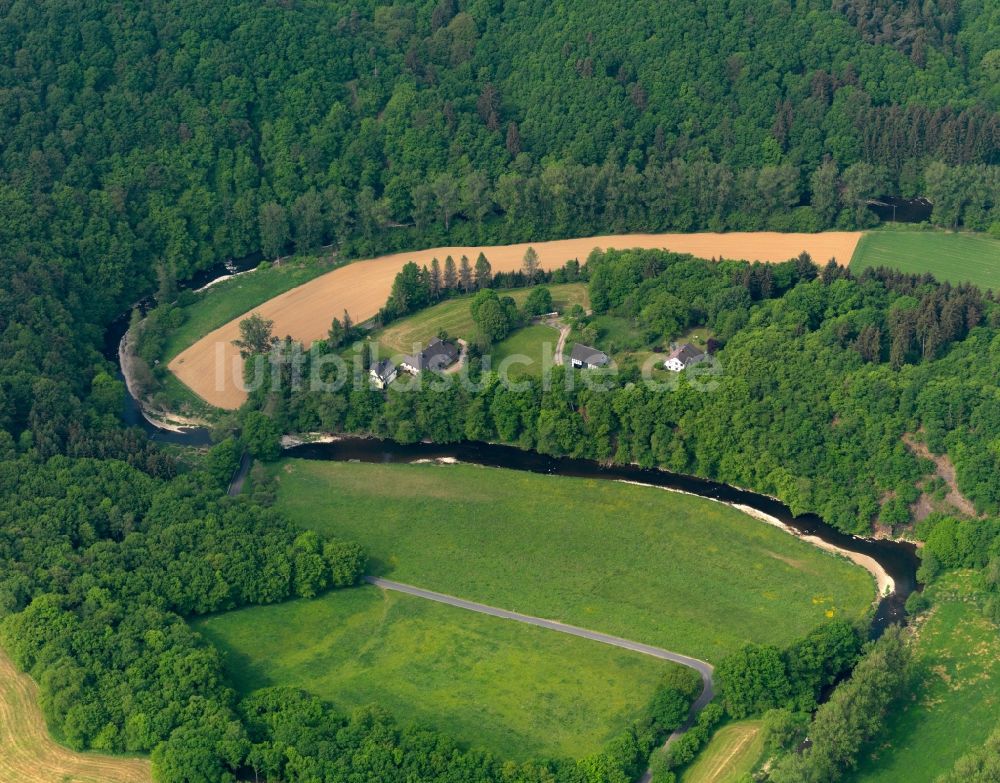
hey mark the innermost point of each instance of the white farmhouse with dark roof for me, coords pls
(586, 358)
(436, 356)
(383, 372)
(683, 357)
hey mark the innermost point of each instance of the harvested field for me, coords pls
(213, 370)
(29, 755)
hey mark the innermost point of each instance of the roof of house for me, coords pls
(685, 353)
(383, 368)
(587, 355)
(436, 356)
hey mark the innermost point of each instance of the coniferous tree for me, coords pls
(450, 274)
(465, 279)
(435, 278)
(530, 264)
(483, 272)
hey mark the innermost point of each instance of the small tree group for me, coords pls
(494, 317)
(255, 336)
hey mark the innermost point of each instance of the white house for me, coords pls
(683, 357)
(383, 372)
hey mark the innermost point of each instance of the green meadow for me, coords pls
(668, 569)
(516, 690)
(536, 343)
(955, 698)
(454, 317)
(229, 299)
(955, 257)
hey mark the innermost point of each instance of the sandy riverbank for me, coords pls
(174, 422)
(885, 584)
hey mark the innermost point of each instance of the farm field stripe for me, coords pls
(29, 755)
(212, 368)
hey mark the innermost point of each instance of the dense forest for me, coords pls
(817, 377)
(156, 138)
(140, 142)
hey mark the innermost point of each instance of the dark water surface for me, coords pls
(898, 559)
(132, 411)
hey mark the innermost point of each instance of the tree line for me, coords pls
(827, 370)
(144, 144)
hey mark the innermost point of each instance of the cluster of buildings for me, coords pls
(441, 354)
(438, 355)
(680, 358)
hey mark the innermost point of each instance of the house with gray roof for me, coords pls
(682, 357)
(584, 357)
(383, 372)
(436, 356)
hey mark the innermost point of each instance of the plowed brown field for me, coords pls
(29, 755)
(212, 368)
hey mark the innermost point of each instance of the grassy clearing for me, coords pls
(453, 317)
(520, 691)
(698, 336)
(231, 298)
(956, 699)
(672, 570)
(626, 338)
(733, 752)
(537, 343)
(617, 335)
(957, 258)
(29, 755)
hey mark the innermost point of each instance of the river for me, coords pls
(898, 559)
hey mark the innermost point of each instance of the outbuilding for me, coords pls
(584, 357)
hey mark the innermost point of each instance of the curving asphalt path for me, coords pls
(703, 668)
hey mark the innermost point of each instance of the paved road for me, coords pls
(704, 669)
(240, 477)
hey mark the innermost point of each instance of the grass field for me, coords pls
(957, 258)
(672, 570)
(29, 755)
(618, 335)
(520, 691)
(231, 298)
(453, 316)
(537, 343)
(956, 700)
(733, 752)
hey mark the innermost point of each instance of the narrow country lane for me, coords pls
(703, 668)
(561, 344)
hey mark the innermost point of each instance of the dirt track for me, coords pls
(29, 755)
(212, 368)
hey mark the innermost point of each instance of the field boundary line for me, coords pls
(703, 668)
